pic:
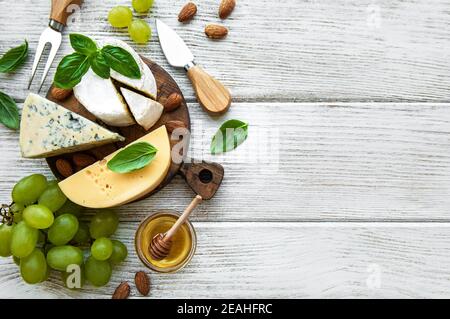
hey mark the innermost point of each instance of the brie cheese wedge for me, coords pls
(47, 129)
(145, 111)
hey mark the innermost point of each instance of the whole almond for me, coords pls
(59, 94)
(64, 167)
(226, 7)
(215, 31)
(173, 102)
(83, 160)
(122, 291)
(142, 282)
(187, 12)
(173, 125)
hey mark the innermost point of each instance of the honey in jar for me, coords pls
(183, 242)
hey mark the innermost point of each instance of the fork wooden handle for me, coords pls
(61, 9)
(211, 94)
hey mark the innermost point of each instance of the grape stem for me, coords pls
(6, 214)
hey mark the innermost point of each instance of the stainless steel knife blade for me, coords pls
(174, 48)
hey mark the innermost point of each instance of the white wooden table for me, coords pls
(353, 197)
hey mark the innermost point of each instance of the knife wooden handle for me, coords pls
(211, 94)
(61, 11)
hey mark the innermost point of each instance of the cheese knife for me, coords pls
(211, 94)
(60, 12)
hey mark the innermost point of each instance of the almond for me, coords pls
(215, 31)
(64, 167)
(187, 12)
(83, 160)
(226, 7)
(173, 102)
(142, 282)
(173, 125)
(122, 292)
(59, 94)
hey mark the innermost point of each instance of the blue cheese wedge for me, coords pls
(145, 111)
(47, 129)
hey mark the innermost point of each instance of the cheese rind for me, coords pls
(98, 187)
(145, 111)
(48, 129)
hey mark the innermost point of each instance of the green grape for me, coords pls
(17, 209)
(38, 216)
(28, 189)
(142, 6)
(103, 224)
(102, 248)
(140, 31)
(53, 198)
(70, 276)
(16, 260)
(33, 268)
(82, 236)
(120, 17)
(119, 252)
(62, 256)
(97, 272)
(5, 240)
(63, 229)
(23, 240)
(69, 208)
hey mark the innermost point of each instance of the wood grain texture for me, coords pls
(307, 162)
(61, 9)
(283, 260)
(290, 50)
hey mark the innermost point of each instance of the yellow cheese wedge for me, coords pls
(98, 187)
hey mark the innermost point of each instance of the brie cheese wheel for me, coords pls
(48, 129)
(145, 111)
(100, 96)
(97, 186)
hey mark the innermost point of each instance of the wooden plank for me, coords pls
(322, 162)
(290, 50)
(284, 260)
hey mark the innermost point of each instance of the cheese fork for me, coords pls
(60, 12)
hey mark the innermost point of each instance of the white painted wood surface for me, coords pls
(300, 209)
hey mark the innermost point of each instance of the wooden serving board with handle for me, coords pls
(204, 178)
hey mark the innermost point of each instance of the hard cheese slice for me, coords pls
(47, 129)
(145, 111)
(98, 187)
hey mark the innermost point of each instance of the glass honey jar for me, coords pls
(183, 247)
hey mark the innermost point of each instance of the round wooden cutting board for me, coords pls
(166, 86)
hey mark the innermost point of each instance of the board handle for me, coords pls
(204, 178)
(61, 11)
(211, 94)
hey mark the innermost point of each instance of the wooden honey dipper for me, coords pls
(161, 243)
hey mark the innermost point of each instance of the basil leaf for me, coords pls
(99, 65)
(70, 70)
(230, 135)
(14, 58)
(82, 44)
(132, 158)
(9, 113)
(121, 61)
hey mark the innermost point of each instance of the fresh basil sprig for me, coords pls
(9, 113)
(70, 70)
(230, 135)
(121, 61)
(14, 58)
(87, 55)
(132, 158)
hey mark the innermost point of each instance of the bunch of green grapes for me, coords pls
(45, 234)
(138, 29)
